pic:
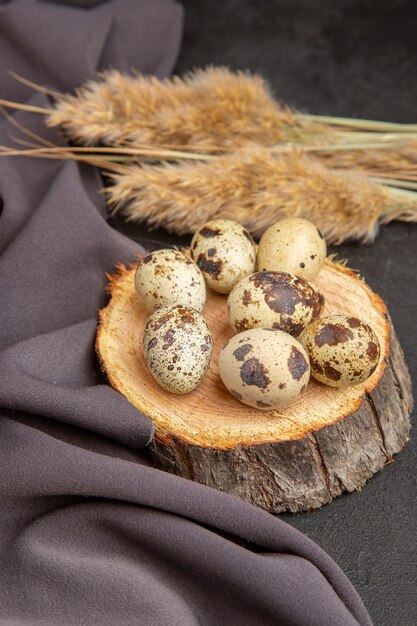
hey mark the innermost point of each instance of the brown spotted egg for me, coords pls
(274, 300)
(264, 368)
(177, 346)
(225, 253)
(292, 245)
(343, 350)
(169, 277)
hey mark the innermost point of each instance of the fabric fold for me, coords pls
(176, 526)
(55, 375)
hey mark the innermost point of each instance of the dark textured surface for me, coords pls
(354, 58)
(345, 57)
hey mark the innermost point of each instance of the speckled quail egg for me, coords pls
(225, 253)
(264, 368)
(169, 277)
(343, 350)
(274, 300)
(292, 245)
(177, 346)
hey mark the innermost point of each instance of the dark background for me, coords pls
(350, 58)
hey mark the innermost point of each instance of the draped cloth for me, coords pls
(90, 532)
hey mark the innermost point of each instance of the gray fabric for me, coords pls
(90, 532)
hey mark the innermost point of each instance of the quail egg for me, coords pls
(274, 300)
(177, 346)
(343, 350)
(225, 253)
(264, 368)
(169, 277)
(292, 245)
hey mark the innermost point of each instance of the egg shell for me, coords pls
(264, 368)
(177, 347)
(343, 350)
(225, 253)
(292, 245)
(274, 300)
(169, 277)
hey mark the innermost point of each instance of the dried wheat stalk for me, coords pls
(211, 107)
(256, 187)
(220, 110)
(215, 110)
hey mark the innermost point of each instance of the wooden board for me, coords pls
(293, 459)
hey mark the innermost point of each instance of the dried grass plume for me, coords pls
(253, 171)
(255, 187)
(210, 107)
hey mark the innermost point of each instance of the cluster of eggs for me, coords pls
(276, 312)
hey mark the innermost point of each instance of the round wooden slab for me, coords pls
(297, 458)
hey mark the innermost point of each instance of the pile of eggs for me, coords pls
(281, 337)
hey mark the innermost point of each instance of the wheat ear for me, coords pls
(211, 107)
(256, 187)
(216, 109)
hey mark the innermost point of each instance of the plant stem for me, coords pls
(24, 130)
(371, 125)
(404, 207)
(339, 147)
(394, 182)
(24, 107)
(100, 162)
(151, 152)
(357, 135)
(32, 85)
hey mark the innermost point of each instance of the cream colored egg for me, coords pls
(264, 368)
(225, 253)
(169, 277)
(343, 350)
(274, 300)
(177, 346)
(292, 245)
